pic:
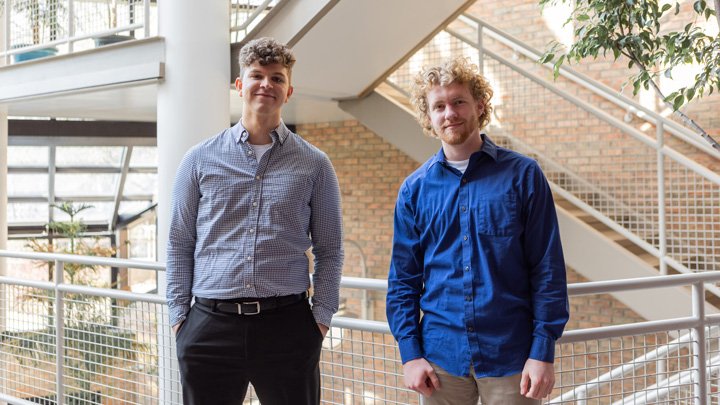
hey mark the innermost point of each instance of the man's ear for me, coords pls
(238, 86)
(289, 93)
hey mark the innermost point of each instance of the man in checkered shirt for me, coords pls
(247, 204)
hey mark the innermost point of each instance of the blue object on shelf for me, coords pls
(35, 54)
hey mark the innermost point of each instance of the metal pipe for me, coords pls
(698, 344)
(59, 334)
(661, 197)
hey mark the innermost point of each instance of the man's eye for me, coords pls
(279, 80)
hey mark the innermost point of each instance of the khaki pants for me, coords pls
(467, 390)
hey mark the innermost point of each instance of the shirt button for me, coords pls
(468, 298)
(464, 181)
(465, 237)
(250, 152)
(257, 177)
(467, 268)
(247, 285)
(254, 204)
(249, 258)
(470, 328)
(463, 208)
(252, 230)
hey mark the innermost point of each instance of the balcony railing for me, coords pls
(37, 28)
(100, 344)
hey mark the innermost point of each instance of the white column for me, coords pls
(193, 104)
(3, 224)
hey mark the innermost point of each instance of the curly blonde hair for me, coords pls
(266, 51)
(457, 70)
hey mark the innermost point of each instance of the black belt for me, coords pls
(250, 306)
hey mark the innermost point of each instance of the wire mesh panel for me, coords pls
(98, 16)
(27, 343)
(359, 367)
(652, 368)
(112, 349)
(35, 22)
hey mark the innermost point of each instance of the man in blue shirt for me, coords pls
(477, 252)
(247, 204)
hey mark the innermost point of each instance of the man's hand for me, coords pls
(177, 327)
(538, 379)
(323, 329)
(420, 377)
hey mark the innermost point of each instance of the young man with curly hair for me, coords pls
(247, 204)
(477, 293)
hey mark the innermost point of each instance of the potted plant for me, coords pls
(93, 344)
(112, 9)
(40, 15)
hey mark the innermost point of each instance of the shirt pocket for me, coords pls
(498, 216)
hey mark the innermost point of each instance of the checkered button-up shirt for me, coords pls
(240, 228)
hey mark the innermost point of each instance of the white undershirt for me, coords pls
(459, 164)
(260, 150)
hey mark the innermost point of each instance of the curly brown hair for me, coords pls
(266, 51)
(457, 70)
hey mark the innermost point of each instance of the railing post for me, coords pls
(8, 4)
(481, 51)
(146, 16)
(698, 344)
(71, 25)
(660, 132)
(59, 333)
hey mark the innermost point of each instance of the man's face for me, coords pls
(264, 89)
(453, 112)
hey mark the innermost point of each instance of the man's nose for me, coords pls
(450, 112)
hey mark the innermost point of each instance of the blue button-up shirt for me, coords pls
(240, 228)
(479, 255)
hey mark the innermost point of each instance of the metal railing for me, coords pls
(104, 345)
(35, 28)
(246, 15)
(643, 185)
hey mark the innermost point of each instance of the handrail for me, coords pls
(698, 321)
(596, 87)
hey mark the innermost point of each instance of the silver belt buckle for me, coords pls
(257, 308)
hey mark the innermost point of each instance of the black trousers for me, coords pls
(277, 351)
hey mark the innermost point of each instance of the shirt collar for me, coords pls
(488, 147)
(279, 134)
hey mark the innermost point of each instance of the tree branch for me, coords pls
(683, 117)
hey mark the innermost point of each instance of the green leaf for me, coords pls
(698, 6)
(668, 73)
(665, 8)
(583, 17)
(690, 94)
(677, 8)
(678, 102)
(546, 58)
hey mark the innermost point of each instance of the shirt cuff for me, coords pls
(178, 314)
(322, 315)
(542, 349)
(409, 349)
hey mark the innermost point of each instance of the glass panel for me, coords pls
(85, 184)
(25, 269)
(24, 212)
(88, 156)
(99, 211)
(27, 185)
(27, 155)
(144, 156)
(141, 184)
